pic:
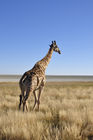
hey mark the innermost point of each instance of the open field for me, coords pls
(66, 113)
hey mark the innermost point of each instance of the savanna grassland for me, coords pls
(66, 113)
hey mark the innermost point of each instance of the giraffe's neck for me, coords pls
(45, 61)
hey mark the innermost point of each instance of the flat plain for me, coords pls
(66, 113)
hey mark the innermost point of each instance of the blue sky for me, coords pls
(27, 27)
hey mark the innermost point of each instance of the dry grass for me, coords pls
(66, 113)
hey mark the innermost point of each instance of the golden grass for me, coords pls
(66, 113)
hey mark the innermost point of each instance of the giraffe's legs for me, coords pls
(38, 101)
(25, 99)
(32, 87)
(35, 100)
(27, 106)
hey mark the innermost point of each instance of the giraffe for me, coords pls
(34, 79)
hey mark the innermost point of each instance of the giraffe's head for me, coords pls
(55, 47)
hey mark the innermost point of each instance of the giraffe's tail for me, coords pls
(22, 89)
(22, 78)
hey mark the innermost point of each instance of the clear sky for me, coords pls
(27, 27)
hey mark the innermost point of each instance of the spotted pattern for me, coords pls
(33, 80)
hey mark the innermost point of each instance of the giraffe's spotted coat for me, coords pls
(34, 79)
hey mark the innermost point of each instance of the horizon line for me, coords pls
(50, 75)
